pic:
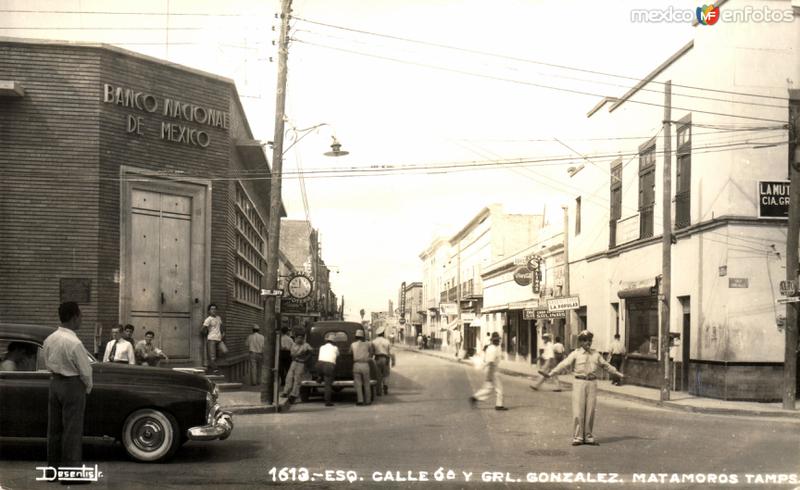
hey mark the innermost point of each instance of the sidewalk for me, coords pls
(679, 400)
(246, 400)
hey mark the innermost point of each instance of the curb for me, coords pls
(669, 405)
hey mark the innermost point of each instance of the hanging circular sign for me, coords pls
(300, 286)
(523, 276)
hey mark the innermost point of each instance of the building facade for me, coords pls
(120, 191)
(729, 162)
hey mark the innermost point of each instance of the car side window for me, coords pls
(19, 356)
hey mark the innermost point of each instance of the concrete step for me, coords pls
(223, 386)
(217, 378)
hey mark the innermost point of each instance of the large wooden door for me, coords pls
(164, 266)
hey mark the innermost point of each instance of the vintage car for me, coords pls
(153, 411)
(343, 334)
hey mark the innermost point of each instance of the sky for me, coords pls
(383, 79)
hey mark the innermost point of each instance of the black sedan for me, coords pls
(152, 411)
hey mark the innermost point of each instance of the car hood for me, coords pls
(146, 375)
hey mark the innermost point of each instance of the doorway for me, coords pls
(686, 332)
(163, 279)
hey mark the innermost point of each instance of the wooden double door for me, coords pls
(164, 264)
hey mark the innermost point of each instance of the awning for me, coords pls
(492, 309)
(637, 292)
(523, 305)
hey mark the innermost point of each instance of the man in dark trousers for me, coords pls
(71, 380)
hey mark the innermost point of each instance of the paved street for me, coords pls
(426, 423)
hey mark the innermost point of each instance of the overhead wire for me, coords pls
(522, 82)
(525, 60)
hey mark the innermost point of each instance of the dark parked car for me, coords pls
(342, 334)
(153, 411)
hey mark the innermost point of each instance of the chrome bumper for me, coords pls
(310, 383)
(220, 426)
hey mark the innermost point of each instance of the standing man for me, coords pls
(216, 334)
(255, 346)
(362, 353)
(68, 361)
(383, 355)
(457, 340)
(285, 354)
(492, 358)
(301, 353)
(584, 362)
(617, 356)
(118, 349)
(326, 364)
(548, 362)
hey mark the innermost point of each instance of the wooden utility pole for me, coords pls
(666, 240)
(269, 387)
(792, 268)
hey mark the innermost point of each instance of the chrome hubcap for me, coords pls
(148, 434)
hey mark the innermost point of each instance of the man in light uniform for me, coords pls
(584, 363)
(492, 357)
(326, 365)
(383, 354)
(301, 353)
(362, 353)
(71, 380)
(457, 340)
(255, 348)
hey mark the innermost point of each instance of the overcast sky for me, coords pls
(394, 102)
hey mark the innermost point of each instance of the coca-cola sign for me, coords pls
(523, 276)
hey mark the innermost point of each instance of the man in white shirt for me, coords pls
(255, 348)
(617, 351)
(547, 362)
(119, 350)
(326, 365)
(67, 358)
(492, 357)
(457, 340)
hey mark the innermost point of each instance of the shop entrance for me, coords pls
(163, 278)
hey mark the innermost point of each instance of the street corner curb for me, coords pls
(250, 409)
(730, 411)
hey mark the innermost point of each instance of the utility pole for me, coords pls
(666, 239)
(565, 292)
(269, 387)
(792, 267)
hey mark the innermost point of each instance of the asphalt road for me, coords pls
(427, 424)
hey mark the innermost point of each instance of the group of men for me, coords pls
(584, 363)
(121, 348)
(379, 349)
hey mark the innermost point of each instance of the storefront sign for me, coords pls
(468, 317)
(168, 108)
(523, 276)
(547, 315)
(449, 308)
(560, 304)
(738, 282)
(773, 199)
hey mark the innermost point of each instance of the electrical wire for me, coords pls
(521, 82)
(513, 58)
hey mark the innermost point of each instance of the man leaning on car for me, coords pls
(68, 361)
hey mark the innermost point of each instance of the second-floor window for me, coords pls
(683, 176)
(647, 189)
(615, 211)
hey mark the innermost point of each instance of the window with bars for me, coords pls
(647, 189)
(615, 201)
(683, 175)
(251, 233)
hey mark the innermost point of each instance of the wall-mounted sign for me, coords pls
(566, 303)
(523, 276)
(738, 282)
(75, 289)
(170, 109)
(448, 308)
(773, 199)
(547, 315)
(468, 317)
